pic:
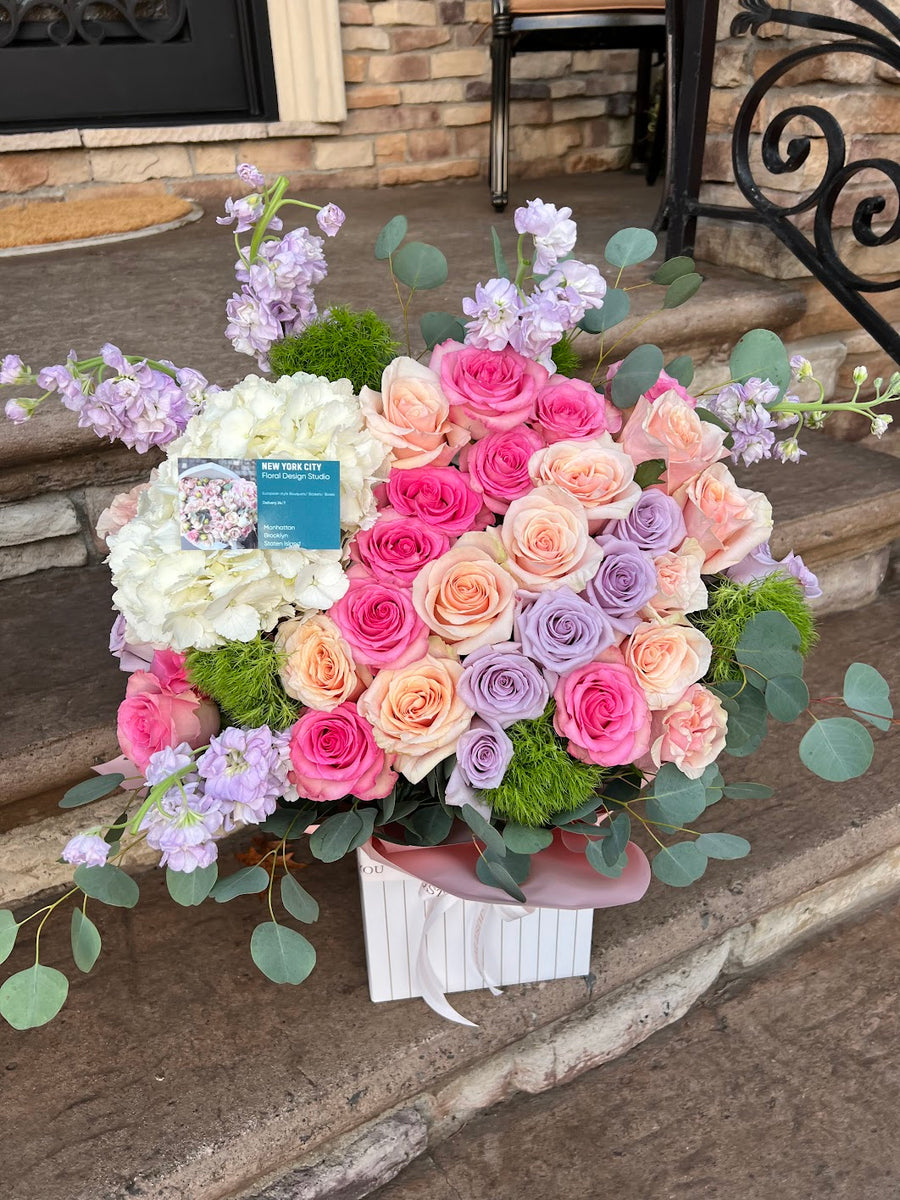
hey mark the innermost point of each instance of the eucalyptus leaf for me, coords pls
(522, 839)
(714, 783)
(439, 326)
(761, 354)
(335, 836)
(367, 817)
(649, 472)
(746, 717)
(246, 882)
(672, 269)
(613, 847)
(492, 872)
(615, 308)
(682, 290)
(430, 824)
(420, 266)
(679, 865)
(500, 264)
(109, 884)
(390, 237)
(594, 853)
(768, 648)
(711, 418)
(115, 831)
(787, 696)
(837, 749)
(722, 845)
(866, 691)
(33, 997)
(297, 900)
(190, 888)
(85, 941)
(282, 954)
(484, 830)
(583, 810)
(675, 799)
(682, 369)
(386, 807)
(289, 823)
(9, 930)
(637, 374)
(90, 790)
(749, 791)
(630, 246)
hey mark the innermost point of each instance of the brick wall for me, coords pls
(418, 85)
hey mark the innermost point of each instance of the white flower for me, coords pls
(183, 598)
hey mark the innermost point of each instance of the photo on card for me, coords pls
(217, 504)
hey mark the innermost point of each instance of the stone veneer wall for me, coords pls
(865, 96)
(417, 84)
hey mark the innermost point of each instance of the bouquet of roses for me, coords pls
(552, 611)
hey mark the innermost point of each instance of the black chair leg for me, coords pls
(501, 54)
(642, 105)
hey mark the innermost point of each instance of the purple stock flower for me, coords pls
(494, 312)
(759, 564)
(543, 322)
(17, 411)
(655, 524)
(64, 379)
(251, 327)
(577, 285)
(140, 405)
(330, 219)
(244, 772)
(251, 176)
(553, 232)
(502, 685)
(183, 825)
(12, 369)
(743, 409)
(246, 212)
(483, 753)
(625, 581)
(789, 451)
(163, 764)
(85, 850)
(560, 630)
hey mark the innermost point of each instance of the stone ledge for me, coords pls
(143, 135)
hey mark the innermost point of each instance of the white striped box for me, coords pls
(548, 943)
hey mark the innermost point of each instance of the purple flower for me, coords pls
(502, 685)
(12, 370)
(759, 564)
(65, 380)
(183, 825)
(543, 322)
(17, 411)
(483, 753)
(578, 285)
(251, 176)
(169, 761)
(131, 657)
(86, 850)
(139, 406)
(251, 327)
(625, 581)
(494, 312)
(195, 386)
(244, 772)
(560, 630)
(246, 212)
(743, 409)
(330, 219)
(553, 232)
(655, 524)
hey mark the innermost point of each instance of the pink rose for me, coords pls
(603, 712)
(680, 588)
(168, 667)
(596, 473)
(666, 659)
(411, 415)
(121, 510)
(489, 390)
(665, 383)
(380, 624)
(465, 596)
(571, 410)
(334, 754)
(690, 734)
(728, 521)
(545, 535)
(396, 547)
(150, 718)
(439, 496)
(497, 466)
(669, 429)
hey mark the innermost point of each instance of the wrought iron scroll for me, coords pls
(63, 22)
(782, 154)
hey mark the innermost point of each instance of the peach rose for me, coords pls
(728, 521)
(121, 510)
(318, 668)
(595, 472)
(465, 596)
(411, 414)
(545, 534)
(680, 588)
(668, 428)
(416, 712)
(666, 659)
(690, 734)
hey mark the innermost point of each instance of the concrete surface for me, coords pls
(786, 1085)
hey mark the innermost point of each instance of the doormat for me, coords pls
(49, 223)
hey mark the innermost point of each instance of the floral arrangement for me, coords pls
(553, 611)
(216, 512)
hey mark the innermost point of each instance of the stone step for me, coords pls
(158, 1089)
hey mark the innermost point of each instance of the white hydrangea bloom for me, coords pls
(196, 598)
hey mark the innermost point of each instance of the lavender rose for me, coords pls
(625, 581)
(560, 630)
(502, 685)
(655, 524)
(483, 753)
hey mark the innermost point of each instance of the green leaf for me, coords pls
(714, 783)
(761, 353)
(615, 308)
(109, 884)
(682, 369)
(679, 865)
(335, 836)
(518, 865)
(867, 693)
(282, 954)
(587, 809)
(786, 697)
(500, 264)
(769, 647)
(190, 888)
(613, 847)
(649, 472)
(522, 839)
(289, 823)
(430, 824)
(246, 882)
(297, 900)
(682, 290)
(390, 237)
(90, 790)
(439, 326)
(675, 799)
(672, 269)
(710, 418)
(746, 717)
(639, 371)
(594, 853)
(386, 807)
(9, 929)
(749, 791)
(484, 830)
(630, 246)
(114, 834)
(33, 997)
(492, 872)
(837, 749)
(85, 941)
(421, 266)
(367, 816)
(722, 845)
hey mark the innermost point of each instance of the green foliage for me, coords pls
(33, 997)
(342, 345)
(565, 357)
(297, 900)
(190, 888)
(85, 941)
(680, 864)
(8, 930)
(674, 799)
(109, 884)
(837, 749)
(390, 236)
(439, 326)
(733, 605)
(342, 832)
(246, 882)
(542, 779)
(866, 692)
(90, 790)
(420, 266)
(630, 246)
(761, 354)
(282, 954)
(242, 678)
(613, 311)
(639, 371)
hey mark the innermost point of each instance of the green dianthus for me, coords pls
(542, 779)
(566, 359)
(731, 605)
(343, 345)
(243, 679)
